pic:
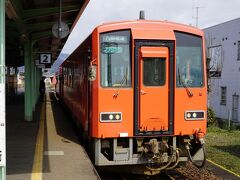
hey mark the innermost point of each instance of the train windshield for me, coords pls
(115, 60)
(189, 60)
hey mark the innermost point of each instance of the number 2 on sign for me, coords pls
(45, 58)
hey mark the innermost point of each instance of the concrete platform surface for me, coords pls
(46, 148)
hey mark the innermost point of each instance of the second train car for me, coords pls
(138, 91)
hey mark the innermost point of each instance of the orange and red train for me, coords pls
(138, 90)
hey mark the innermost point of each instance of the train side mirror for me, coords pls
(92, 72)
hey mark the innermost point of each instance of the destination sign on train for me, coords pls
(111, 49)
(115, 38)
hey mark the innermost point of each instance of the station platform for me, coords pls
(45, 148)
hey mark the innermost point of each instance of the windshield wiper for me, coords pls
(190, 94)
(124, 79)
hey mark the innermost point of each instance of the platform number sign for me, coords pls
(45, 58)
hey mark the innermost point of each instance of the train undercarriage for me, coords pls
(149, 155)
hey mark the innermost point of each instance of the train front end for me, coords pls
(148, 95)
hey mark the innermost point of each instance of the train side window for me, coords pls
(189, 60)
(115, 61)
(154, 71)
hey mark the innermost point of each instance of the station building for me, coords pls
(223, 49)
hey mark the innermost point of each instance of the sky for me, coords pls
(210, 12)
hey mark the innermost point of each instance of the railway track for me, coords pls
(190, 172)
(125, 176)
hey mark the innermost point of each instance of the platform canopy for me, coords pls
(32, 20)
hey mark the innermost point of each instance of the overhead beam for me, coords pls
(53, 46)
(40, 12)
(13, 11)
(43, 25)
(17, 5)
(41, 35)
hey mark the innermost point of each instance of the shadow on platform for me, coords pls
(63, 121)
(20, 136)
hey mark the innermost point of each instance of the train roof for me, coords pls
(150, 24)
(145, 29)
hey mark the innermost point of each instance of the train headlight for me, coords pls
(110, 116)
(194, 115)
(117, 117)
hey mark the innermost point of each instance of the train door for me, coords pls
(153, 90)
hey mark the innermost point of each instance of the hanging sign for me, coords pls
(45, 58)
